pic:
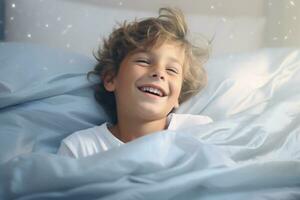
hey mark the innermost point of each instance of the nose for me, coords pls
(157, 74)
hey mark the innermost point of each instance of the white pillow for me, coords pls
(246, 83)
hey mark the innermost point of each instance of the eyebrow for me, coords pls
(174, 60)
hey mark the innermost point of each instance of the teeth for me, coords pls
(152, 90)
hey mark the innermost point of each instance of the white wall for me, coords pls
(1, 20)
(230, 8)
(62, 24)
(79, 25)
(283, 23)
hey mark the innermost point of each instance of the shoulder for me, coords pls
(79, 143)
(186, 120)
(86, 134)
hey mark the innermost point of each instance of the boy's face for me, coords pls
(148, 83)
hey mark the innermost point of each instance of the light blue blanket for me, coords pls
(218, 161)
(251, 150)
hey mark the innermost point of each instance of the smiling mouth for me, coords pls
(152, 91)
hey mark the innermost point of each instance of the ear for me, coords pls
(109, 81)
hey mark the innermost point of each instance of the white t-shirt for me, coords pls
(99, 138)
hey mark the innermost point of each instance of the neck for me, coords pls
(127, 130)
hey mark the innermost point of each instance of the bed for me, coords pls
(250, 151)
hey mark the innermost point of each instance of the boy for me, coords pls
(147, 68)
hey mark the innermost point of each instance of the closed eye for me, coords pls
(143, 61)
(173, 70)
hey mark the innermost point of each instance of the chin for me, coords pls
(151, 113)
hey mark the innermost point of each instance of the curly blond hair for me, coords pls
(170, 25)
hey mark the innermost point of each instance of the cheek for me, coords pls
(128, 78)
(177, 88)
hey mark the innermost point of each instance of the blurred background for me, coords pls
(80, 25)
